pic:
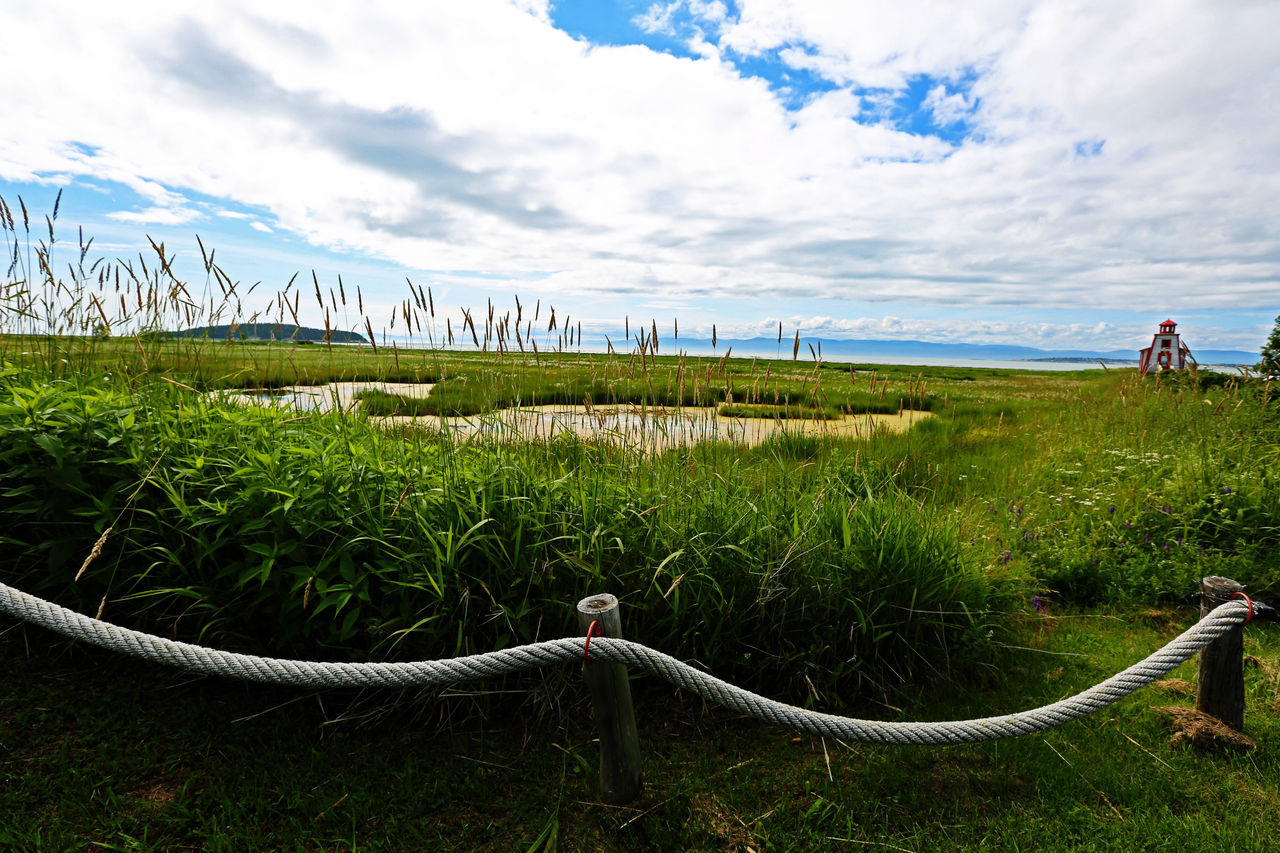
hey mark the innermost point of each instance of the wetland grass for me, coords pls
(318, 533)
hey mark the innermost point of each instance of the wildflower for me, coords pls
(1111, 510)
(1039, 604)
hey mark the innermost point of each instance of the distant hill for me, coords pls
(270, 332)
(925, 349)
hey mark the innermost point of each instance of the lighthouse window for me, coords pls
(1164, 345)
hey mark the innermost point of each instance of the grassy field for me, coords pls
(100, 753)
(1037, 532)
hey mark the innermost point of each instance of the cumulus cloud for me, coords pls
(1115, 153)
(947, 108)
(658, 18)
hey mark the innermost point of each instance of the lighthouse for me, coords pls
(1167, 351)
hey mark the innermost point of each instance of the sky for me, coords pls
(1050, 173)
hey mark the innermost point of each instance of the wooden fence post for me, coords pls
(1221, 667)
(620, 780)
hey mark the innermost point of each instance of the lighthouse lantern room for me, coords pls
(1167, 352)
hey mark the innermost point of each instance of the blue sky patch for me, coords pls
(794, 87)
(1090, 148)
(615, 24)
(911, 110)
(673, 27)
(84, 148)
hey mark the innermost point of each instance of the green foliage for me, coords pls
(252, 528)
(1142, 491)
(1270, 363)
(319, 534)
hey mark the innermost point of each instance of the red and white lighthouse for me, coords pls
(1167, 351)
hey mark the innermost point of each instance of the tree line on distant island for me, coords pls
(270, 332)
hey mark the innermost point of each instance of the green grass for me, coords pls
(252, 527)
(781, 413)
(101, 753)
(826, 571)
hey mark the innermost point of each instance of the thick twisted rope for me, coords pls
(437, 672)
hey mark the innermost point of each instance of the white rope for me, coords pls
(310, 674)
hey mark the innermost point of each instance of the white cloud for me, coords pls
(879, 43)
(537, 8)
(703, 48)
(947, 109)
(1098, 336)
(713, 12)
(156, 216)
(658, 17)
(661, 17)
(1122, 156)
(258, 226)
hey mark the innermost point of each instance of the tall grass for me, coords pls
(806, 564)
(252, 528)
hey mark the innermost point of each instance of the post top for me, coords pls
(1219, 582)
(598, 603)
(1215, 590)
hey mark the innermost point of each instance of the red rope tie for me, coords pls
(596, 631)
(1236, 595)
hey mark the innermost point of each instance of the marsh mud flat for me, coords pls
(627, 424)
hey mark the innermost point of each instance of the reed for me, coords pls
(321, 533)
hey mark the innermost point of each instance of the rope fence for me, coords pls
(1215, 624)
(452, 670)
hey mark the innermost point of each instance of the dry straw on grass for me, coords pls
(1203, 731)
(1176, 686)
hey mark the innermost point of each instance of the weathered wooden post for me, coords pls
(620, 780)
(1221, 667)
